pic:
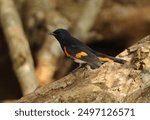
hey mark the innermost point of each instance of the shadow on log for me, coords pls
(112, 82)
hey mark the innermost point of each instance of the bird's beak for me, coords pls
(52, 34)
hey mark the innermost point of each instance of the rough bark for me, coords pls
(112, 82)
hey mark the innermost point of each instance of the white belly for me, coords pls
(79, 61)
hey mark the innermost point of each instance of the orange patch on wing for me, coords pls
(65, 50)
(105, 59)
(80, 54)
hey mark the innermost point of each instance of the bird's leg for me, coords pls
(80, 65)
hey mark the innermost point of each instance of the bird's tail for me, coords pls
(107, 58)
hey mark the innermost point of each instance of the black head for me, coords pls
(61, 35)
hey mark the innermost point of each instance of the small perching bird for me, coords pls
(80, 52)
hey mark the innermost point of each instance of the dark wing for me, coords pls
(104, 57)
(107, 58)
(81, 53)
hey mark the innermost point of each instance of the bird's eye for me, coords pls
(58, 32)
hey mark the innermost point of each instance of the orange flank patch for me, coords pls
(65, 50)
(80, 54)
(105, 59)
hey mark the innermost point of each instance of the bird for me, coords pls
(80, 52)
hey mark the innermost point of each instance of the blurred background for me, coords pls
(108, 26)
